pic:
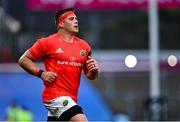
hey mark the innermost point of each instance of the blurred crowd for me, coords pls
(16, 112)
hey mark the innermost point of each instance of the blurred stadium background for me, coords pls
(114, 29)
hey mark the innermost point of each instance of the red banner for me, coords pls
(46, 5)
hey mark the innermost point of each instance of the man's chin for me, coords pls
(75, 32)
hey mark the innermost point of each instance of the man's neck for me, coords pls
(66, 36)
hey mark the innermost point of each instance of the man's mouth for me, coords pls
(76, 27)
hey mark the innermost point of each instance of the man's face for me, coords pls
(70, 24)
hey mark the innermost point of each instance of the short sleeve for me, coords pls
(38, 50)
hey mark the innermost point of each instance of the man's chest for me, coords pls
(68, 52)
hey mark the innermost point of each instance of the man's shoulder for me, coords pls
(81, 41)
(47, 38)
(51, 36)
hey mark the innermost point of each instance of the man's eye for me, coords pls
(71, 18)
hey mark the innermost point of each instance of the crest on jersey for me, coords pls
(83, 52)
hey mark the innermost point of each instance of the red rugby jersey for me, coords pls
(65, 59)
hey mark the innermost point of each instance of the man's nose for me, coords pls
(76, 22)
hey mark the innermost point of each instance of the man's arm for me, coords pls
(91, 68)
(27, 62)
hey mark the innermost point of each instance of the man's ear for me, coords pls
(61, 25)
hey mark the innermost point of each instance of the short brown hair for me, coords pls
(60, 12)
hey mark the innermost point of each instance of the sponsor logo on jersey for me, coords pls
(72, 58)
(70, 63)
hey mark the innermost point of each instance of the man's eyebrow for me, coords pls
(72, 17)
